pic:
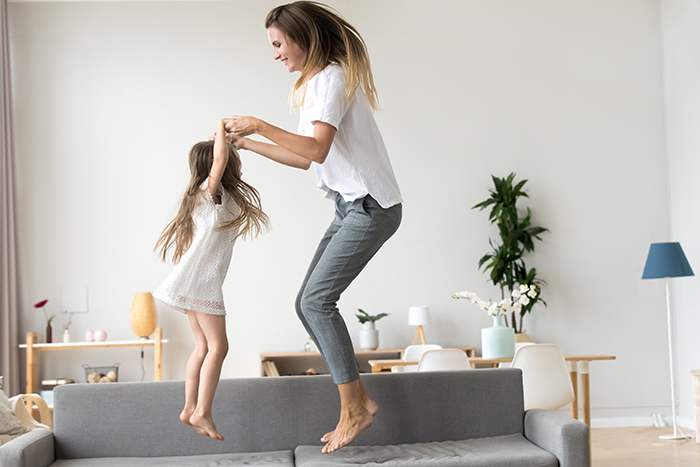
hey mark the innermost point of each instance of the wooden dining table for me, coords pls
(577, 364)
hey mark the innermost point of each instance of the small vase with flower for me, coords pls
(42, 304)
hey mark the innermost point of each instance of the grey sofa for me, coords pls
(462, 418)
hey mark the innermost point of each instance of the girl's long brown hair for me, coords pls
(326, 37)
(251, 220)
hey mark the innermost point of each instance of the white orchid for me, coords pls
(520, 297)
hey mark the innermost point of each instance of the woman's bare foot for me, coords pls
(205, 426)
(353, 421)
(370, 406)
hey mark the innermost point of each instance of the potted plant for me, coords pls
(517, 235)
(369, 336)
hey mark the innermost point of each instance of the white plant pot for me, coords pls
(369, 337)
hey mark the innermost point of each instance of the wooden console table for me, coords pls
(294, 363)
(34, 349)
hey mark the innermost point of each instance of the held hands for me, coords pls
(231, 138)
(242, 126)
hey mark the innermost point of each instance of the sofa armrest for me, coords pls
(558, 433)
(33, 449)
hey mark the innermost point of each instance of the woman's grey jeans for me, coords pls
(357, 232)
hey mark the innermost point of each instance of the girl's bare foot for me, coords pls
(206, 425)
(185, 418)
(353, 421)
(370, 406)
(185, 415)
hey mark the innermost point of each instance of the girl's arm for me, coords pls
(313, 149)
(220, 158)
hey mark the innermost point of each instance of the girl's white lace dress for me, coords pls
(196, 282)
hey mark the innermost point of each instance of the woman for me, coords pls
(339, 137)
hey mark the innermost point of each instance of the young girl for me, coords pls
(339, 137)
(217, 208)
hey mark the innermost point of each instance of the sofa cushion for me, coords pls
(261, 459)
(502, 451)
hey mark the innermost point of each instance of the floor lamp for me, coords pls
(667, 260)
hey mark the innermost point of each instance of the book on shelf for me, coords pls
(51, 383)
(270, 368)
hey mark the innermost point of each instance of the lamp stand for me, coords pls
(419, 333)
(677, 433)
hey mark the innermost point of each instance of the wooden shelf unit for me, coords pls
(34, 350)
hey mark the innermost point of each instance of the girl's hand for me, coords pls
(237, 141)
(242, 126)
(231, 138)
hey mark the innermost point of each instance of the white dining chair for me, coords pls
(413, 352)
(444, 360)
(517, 346)
(546, 380)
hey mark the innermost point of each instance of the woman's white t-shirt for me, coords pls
(357, 163)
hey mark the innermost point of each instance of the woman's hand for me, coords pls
(242, 126)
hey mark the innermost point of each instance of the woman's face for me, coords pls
(286, 51)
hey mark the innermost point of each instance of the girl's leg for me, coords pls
(194, 365)
(214, 329)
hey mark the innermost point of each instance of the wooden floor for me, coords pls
(641, 447)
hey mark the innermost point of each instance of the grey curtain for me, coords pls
(11, 322)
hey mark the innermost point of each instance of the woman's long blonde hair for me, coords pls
(326, 37)
(251, 219)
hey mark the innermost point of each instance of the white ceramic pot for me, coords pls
(498, 341)
(369, 337)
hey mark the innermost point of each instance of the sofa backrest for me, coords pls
(272, 414)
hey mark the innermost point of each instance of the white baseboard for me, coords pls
(622, 422)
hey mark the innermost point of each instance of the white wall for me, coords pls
(110, 96)
(681, 40)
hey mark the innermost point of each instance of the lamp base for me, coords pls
(419, 334)
(672, 437)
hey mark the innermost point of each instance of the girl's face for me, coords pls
(286, 51)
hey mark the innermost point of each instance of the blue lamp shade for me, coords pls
(666, 260)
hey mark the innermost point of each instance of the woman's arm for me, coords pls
(272, 152)
(313, 149)
(220, 158)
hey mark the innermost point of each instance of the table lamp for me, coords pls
(418, 316)
(143, 315)
(667, 260)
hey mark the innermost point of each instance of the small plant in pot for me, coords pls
(369, 336)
